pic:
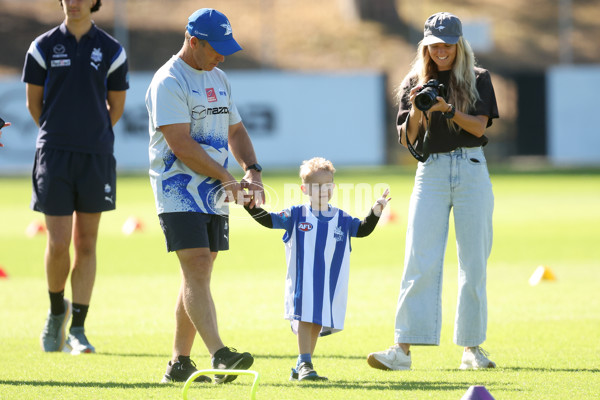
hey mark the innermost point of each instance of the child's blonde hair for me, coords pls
(313, 165)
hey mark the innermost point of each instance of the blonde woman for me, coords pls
(445, 105)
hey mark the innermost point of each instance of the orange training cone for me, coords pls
(387, 217)
(35, 228)
(541, 273)
(131, 225)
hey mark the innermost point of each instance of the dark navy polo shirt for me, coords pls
(76, 77)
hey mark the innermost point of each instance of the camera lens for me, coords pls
(426, 99)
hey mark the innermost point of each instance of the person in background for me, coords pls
(76, 79)
(193, 123)
(445, 132)
(3, 125)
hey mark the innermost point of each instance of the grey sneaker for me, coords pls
(476, 358)
(181, 370)
(229, 358)
(78, 343)
(306, 372)
(390, 359)
(53, 335)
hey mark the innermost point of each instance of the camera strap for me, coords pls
(419, 157)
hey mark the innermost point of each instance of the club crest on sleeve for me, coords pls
(305, 226)
(285, 214)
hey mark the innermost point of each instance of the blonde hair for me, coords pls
(316, 164)
(462, 91)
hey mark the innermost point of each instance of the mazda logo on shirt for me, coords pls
(201, 112)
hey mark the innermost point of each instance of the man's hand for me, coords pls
(234, 192)
(256, 192)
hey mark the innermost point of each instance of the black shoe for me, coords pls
(181, 370)
(307, 372)
(229, 358)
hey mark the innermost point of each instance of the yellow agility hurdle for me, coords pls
(192, 377)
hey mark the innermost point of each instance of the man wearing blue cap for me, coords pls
(193, 124)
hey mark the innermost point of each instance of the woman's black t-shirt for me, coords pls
(441, 138)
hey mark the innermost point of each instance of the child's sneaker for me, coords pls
(181, 370)
(476, 358)
(390, 359)
(306, 372)
(229, 358)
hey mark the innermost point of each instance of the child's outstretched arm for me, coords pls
(370, 222)
(260, 215)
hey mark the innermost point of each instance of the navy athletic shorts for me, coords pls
(67, 181)
(192, 230)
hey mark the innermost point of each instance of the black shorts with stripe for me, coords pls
(191, 230)
(66, 181)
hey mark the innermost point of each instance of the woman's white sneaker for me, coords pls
(390, 359)
(476, 358)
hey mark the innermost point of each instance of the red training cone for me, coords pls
(3, 274)
(35, 228)
(477, 393)
(131, 225)
(388, 216)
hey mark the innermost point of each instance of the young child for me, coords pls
(317, 243)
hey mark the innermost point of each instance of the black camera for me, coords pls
(426, 97)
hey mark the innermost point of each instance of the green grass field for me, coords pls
(544, 338)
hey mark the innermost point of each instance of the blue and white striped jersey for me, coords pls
(318, 261)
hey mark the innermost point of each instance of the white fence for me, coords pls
(572, 105)
(291, 117)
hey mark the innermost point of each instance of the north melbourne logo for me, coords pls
(338, 234)
(96, 58)
(227, 27)
(440, 28)
(96, 55)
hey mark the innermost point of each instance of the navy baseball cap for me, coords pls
(442, 27)
(214, 27)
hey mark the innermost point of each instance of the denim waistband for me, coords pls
(459, 152)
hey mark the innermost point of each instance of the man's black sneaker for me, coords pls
(181, 370)
(229, 358)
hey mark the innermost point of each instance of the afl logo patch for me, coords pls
(305, 226)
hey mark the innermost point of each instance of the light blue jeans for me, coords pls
(458, 180)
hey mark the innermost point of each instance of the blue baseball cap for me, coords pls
(442, 27)
(214, 27)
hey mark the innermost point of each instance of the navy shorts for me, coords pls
(67, 181)
(192, 230)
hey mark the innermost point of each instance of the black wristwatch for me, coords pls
(450, 114)
(255, 167)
